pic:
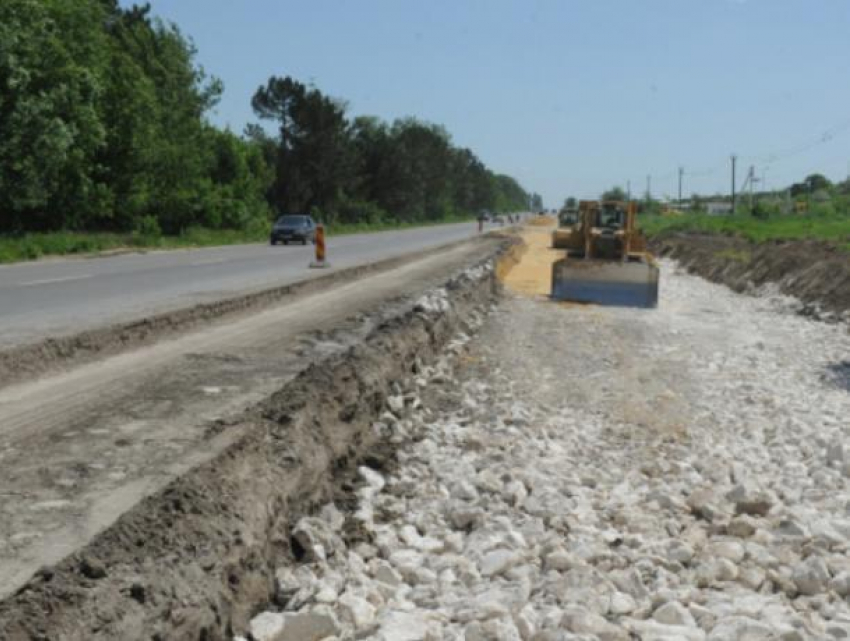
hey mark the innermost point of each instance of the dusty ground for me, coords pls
(591, 473)
(79, 449)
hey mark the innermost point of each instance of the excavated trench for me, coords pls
(197, 559)
(814, 272)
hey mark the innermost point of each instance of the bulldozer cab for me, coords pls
(611, 216)
(568, 217)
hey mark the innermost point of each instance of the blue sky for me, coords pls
(568, 96)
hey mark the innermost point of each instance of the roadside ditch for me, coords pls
(816, 273)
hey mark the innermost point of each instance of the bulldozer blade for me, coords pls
(620, 284)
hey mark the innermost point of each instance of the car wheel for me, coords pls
(272, 242)
(286, 242)
(304, 241)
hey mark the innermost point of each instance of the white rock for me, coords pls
(267, 626)
(316, 538)
(655, 631)
(703, 504)
(731, 550)
(498, 562)
(622, 603)
(385, 573)
(836, 454)
(396, 404)
(559, 560)
(397, 625)
(500, 629)
(749, 499)
(332, 516)
(526, 622)
(704, 617)
(737, 628)
(840, 584)
(680, 552)
(811, 576)
(790, 527)
(356, 611)
(309, 626)
(742, 526)
(406, 560)
(674, 613)
(464, 490)
(582, 621)
(752, 577)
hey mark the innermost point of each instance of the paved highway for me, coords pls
(60, 296)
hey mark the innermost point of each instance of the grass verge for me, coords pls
(32, 246)
(833, 229)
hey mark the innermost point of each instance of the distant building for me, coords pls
(718, 208)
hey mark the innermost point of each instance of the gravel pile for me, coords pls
(577, 473)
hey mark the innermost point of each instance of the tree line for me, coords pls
(103, 114)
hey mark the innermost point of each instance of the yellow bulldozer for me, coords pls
(606, 260)
(568, 218)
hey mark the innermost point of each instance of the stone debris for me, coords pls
(588, 474)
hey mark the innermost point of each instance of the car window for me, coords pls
(290, 220)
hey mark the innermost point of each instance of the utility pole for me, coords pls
(628, 191)
(734, 159)
(648, 188)
(751, 178)
(681, 171)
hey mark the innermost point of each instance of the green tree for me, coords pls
(615, 193)
(315, 163)
(811, 184)
(50, 57)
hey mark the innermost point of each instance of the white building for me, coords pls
(718, 208)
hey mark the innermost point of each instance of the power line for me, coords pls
(827, 136)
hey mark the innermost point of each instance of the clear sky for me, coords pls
(568, 96)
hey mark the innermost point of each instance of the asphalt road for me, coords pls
(61, 296)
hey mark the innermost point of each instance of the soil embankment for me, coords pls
(816, 273)
(197, 559)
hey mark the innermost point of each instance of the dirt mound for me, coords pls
(542, 221)
(197, 559)
(816, 273)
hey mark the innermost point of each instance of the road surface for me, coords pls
(79, 448)
(63, 296)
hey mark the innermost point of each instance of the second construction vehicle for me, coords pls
(606, 260)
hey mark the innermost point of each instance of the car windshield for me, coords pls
(291, 221)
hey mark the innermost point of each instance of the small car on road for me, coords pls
(293, 228)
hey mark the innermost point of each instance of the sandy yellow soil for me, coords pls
(532, 274)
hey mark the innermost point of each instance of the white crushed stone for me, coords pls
(588, 473)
